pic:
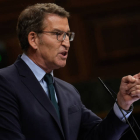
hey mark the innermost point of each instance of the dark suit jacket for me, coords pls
(26, 113)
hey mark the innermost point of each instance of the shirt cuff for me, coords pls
(119, 114)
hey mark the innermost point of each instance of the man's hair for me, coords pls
(31, 19)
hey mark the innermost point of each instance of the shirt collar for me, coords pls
(38, 72)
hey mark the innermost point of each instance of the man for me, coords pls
(30, 107)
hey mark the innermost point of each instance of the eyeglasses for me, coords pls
(62, 35)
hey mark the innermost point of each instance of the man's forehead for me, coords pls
(56, 22)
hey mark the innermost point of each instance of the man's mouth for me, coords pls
(64, 53)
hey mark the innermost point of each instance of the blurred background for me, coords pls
(106, 45)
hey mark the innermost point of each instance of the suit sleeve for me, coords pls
(10, 128)
(94, 128)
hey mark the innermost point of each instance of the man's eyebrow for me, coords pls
(57, 30)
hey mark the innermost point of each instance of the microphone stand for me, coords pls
(120, 109)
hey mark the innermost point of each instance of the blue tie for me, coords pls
(48, 78)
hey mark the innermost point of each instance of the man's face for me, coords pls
(52, 54)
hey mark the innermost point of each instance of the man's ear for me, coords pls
(32, 39)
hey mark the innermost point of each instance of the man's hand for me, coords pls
(129, 91)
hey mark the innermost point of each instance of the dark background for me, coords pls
(106, 45)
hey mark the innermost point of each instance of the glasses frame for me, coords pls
(64, 36)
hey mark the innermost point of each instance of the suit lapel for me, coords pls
(35, 88)
(62, 98)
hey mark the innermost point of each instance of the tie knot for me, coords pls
(48, 78)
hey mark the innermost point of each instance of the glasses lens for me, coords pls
(60, 36)
(71, 36)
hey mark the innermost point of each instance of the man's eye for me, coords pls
(58, 33)
(68, 34)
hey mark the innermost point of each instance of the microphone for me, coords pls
(120, 109)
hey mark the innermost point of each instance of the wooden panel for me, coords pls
(117, 36)
(114, 48)
(83, 3)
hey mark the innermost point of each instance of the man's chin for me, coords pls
(60, 65)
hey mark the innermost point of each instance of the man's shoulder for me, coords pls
(7, 70)
(8, 76)
(11, 69)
